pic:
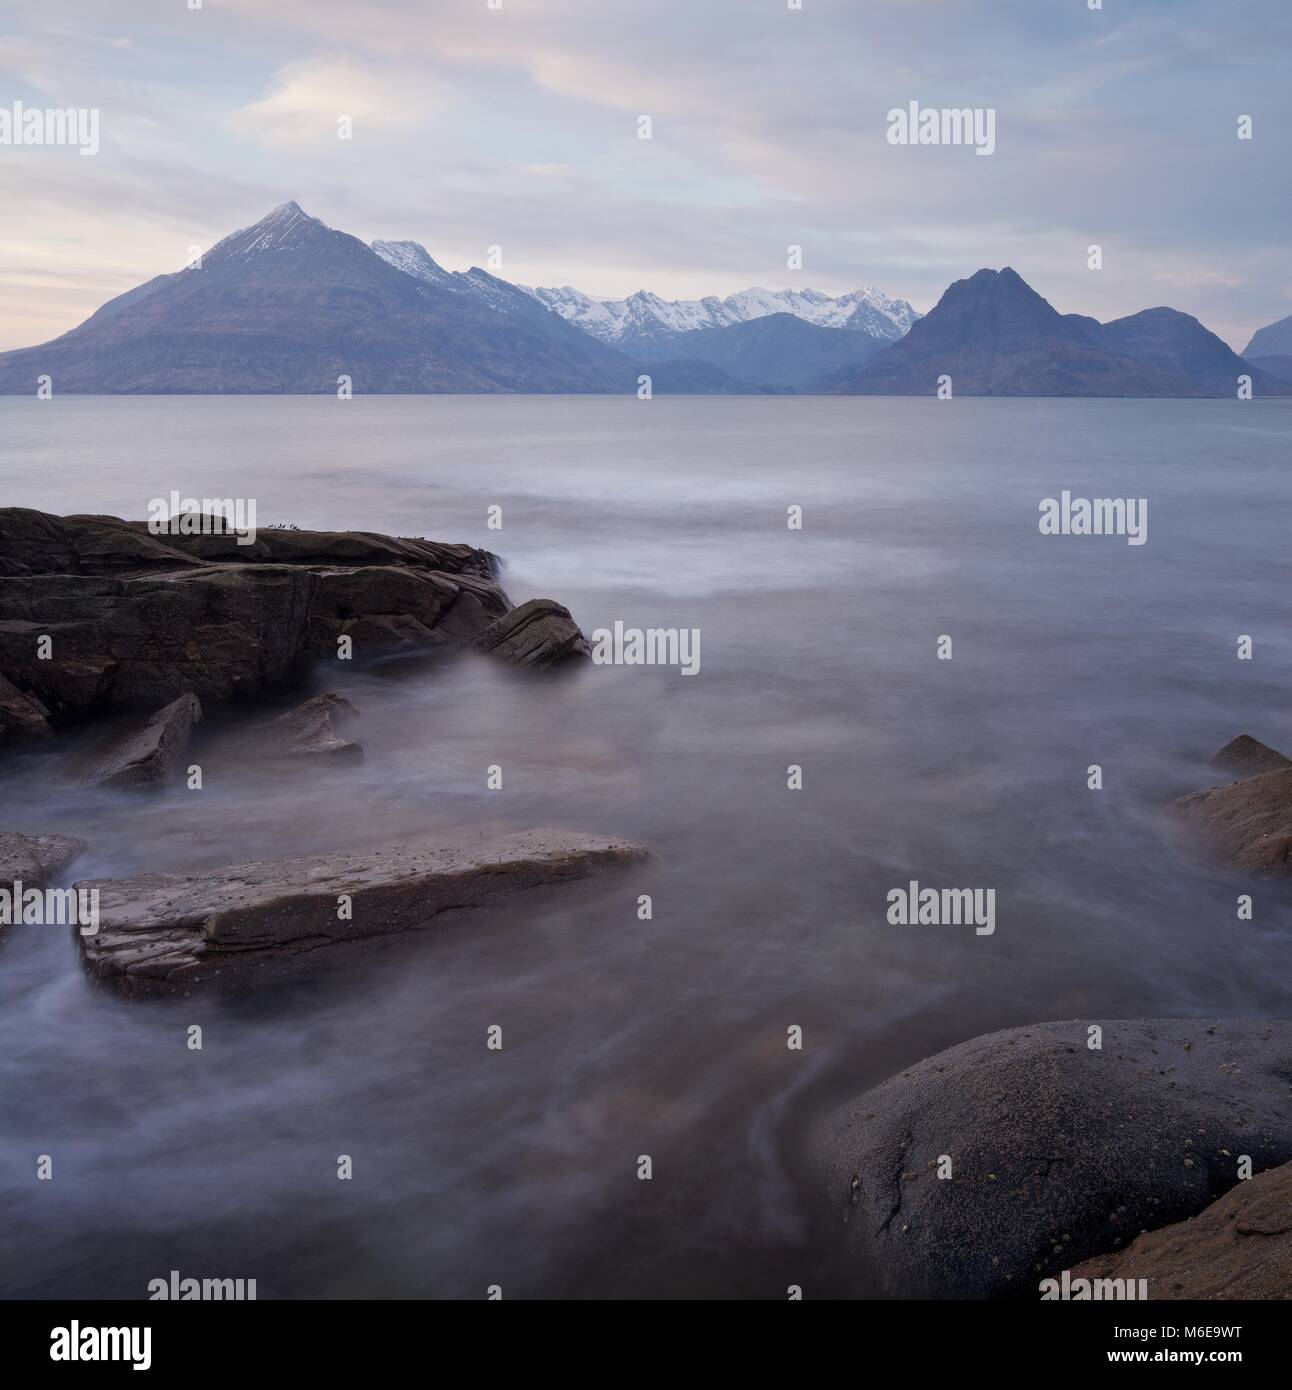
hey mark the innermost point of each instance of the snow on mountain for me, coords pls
(643, 314)
(286, 228)
(413, 259)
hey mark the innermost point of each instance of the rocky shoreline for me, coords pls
(1115, 1149)
(103, 619)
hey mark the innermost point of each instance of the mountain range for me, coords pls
(993, 335)
(290, 305)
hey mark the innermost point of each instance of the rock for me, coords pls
(1247, 823)
(166, 931)
(21, 716)
(137, 619)
(308, 731)
(149, 756)
(1245, 756)
(36, 860)
(538, 633)
(1239, 1247)
(1054, 1147)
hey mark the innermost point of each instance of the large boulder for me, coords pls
(1057, 1151)
(148, 757)
(1239, 1247)
(171, 932)
(36, 860)
(135, 619)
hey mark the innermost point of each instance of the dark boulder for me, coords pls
(1057, 1151)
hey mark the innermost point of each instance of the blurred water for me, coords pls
(665, 1038)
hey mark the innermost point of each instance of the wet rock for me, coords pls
(310, 731)
(21, 716)
(150, 756)
(36, 860)
(1058, 1151)
(168, 931)
(538, 633)
(1245, 756)
(1239, 1247)
(136, 619)
(1248, 824)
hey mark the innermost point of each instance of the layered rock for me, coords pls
(1057, 1151)
(538, 633)
(1248, 823)
(137, 620)
(1239, 1247)
(168, 931)
(36, 860)
(149, 756)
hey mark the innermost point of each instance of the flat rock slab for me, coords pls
(169, 931)
(1238, 1248)
(149, 756)
(35, 860)
(1058, 1151)
(1248, 824)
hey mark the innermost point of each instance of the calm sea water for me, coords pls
(668, 1038)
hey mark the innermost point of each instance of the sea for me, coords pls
(901, 679)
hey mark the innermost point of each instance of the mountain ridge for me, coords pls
(992, 334)
(291, 305)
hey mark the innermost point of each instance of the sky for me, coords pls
(517, 126)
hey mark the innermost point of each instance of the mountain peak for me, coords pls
(283, 228)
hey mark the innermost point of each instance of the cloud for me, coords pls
(308, 98)
(517, 127)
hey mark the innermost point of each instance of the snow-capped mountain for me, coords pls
(286, 228)
(290, 305)
(414, 259)
(645, 316)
